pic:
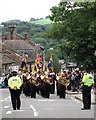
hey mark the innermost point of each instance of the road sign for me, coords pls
(71, 64)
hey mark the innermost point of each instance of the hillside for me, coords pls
(42, 21)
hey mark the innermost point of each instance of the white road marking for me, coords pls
(6, 107)
(34, 110)
(75, 100)
(8, 112)
(6, 99)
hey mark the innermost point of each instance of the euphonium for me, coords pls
(64, 81)
(33, 81)
(47, 80)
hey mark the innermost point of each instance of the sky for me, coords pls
(25, 9)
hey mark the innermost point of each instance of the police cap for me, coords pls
(14, 73)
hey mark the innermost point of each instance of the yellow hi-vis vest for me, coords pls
(14, 81)
(88, 79)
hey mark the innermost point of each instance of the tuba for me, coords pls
(64, 81)
(33, 81)
(47, 80)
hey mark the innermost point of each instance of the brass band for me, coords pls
(64, 81)
(47, 80)
(34, 82)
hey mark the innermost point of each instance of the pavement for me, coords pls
(78, 95)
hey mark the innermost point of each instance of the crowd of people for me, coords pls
(44, 83)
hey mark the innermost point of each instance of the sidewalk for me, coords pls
(79, 96)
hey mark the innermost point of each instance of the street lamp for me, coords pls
(95, 53)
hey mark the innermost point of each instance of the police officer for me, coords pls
(87, 81)
(14, 84)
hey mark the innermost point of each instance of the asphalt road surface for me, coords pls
(43, 108)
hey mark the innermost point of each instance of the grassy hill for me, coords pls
(42, 21)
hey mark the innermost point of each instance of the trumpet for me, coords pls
(34, 82)
(64, 81)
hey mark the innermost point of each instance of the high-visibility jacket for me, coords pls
(21, 77)
(14, 81)
(88, 79)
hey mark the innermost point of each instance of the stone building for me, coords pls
(13, 46)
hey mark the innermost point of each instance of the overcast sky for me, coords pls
(25, 9)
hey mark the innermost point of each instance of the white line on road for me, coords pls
(34, 110)
(8, 112)
(75, 100)
(5, 99)
(6, 107)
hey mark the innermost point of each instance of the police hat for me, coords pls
(14, 73)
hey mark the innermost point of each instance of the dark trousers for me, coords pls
(62, 91)
(33, 91)
(15, 98)
(52, 88)
(26, 88)
(47, 90)
(86, 97)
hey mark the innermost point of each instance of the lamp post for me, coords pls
(95, 53)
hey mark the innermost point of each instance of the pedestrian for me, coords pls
(87, 81)
(14, 84)
(77, 78)
(72, 81)
(6, 82)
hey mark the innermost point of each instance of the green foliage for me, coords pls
(40, 41)
(74, 27)
(41, 21)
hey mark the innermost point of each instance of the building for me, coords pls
(13, 46)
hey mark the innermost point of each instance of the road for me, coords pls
(44, 108)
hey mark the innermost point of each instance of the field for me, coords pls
(42, 21)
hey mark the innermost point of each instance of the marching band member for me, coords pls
(62, 84)
(47, 84)
(33, 85)
(26, 87)
(53, 79)
(40, 78)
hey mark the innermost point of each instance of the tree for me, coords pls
(74, 26)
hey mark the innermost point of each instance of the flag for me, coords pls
(23, 64)
(50, 64)
(38, 62)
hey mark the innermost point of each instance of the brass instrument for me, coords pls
(33, 81)
(47, 80)
(64, 81)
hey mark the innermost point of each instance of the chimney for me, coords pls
(13, 31)
(26, 36)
